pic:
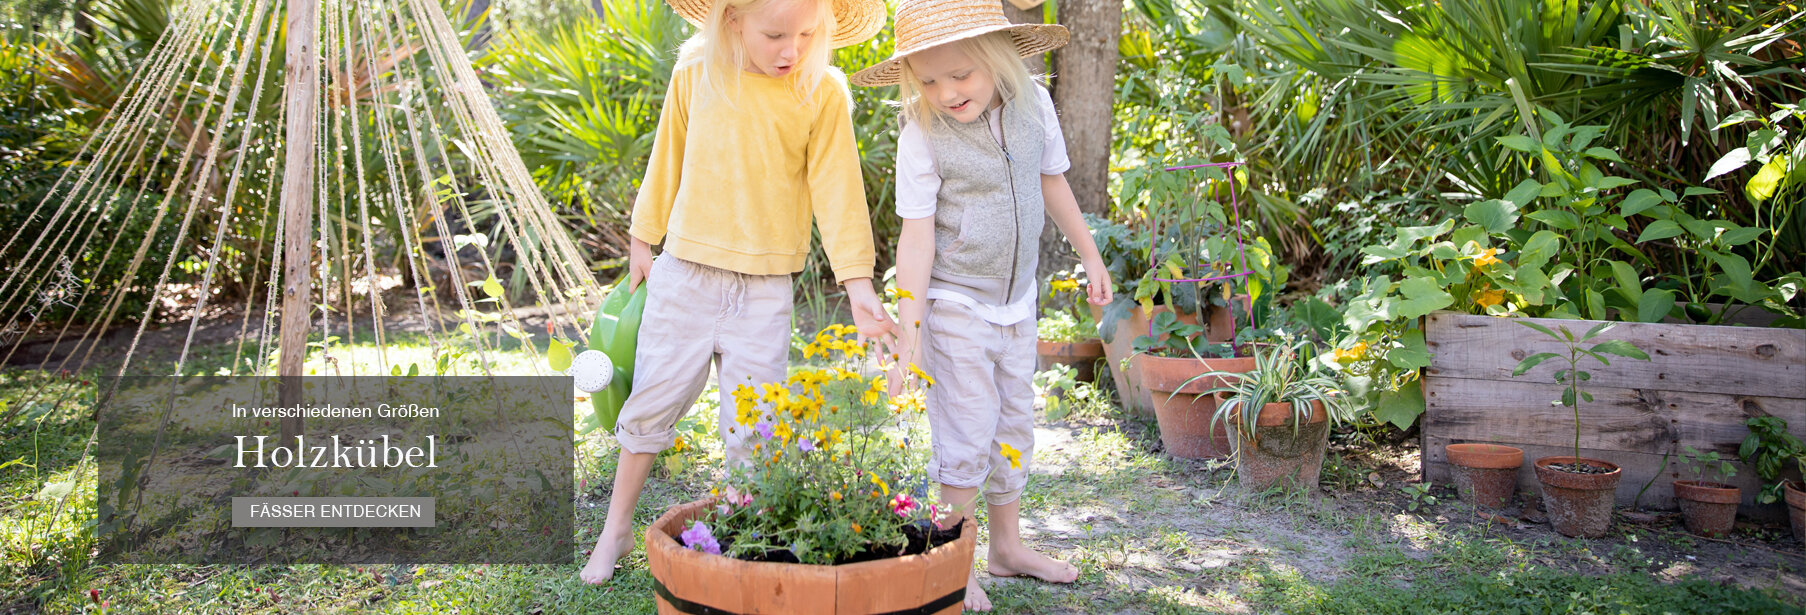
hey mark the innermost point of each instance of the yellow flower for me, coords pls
(1487, 258)
(826, 438)
(921, 374)
(1010, 453)
(777, 395)
(1063, 286)
(746, 405)
(1486, 299)
(856, 528)
(678, 445)
(880, 483)
(877, 389)
(902, 294)
(1352, 353)
(782, 432)
(835, 495)
(906, 402)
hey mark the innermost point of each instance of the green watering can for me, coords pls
(615, 333)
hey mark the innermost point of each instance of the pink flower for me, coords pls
(699, 538)
(733, 496)
(902, 504)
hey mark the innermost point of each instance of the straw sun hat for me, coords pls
(855, 20)
(922, 24)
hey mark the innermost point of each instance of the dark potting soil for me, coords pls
(920, 536)
(1579, 468)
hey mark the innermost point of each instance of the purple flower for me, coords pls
(699, 538)
(764, 428)
(805, 444)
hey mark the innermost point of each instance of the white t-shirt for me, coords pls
(919, 184)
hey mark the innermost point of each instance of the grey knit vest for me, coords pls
(989, 212)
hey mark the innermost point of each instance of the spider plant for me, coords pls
(1280, 375)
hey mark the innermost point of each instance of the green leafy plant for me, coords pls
(1071, 322)
(1053, 385)
(1768, 449)
(1709, 463)
(1419, 495)
(1280, 375)
(1171, 337)
(1572, 376)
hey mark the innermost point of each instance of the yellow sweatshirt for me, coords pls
(734, 185)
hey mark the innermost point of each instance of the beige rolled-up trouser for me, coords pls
(982, 397)
(697, 315)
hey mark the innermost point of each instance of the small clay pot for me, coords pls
(1579, 505)
(1796, 509)
(1081, 356)
(1281, 453)
(1707, 508)
(1486, 475)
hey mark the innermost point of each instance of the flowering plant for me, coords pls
(836, 472)
(1070, 322)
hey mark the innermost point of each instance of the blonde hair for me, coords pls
(721, 57)
(996, 53)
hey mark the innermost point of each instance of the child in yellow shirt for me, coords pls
(755, 139)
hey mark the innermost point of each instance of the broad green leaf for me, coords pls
(1422, 296)
(1497, 215)
(1609, 183)
(1767, 181)
(1521, 143)
(1655, 304)
(1604, 154)
(1699, 191)
(1621, 348)
(1741, 235)
(1524, 193)
(1732, 160)
(1544, 330)
(1639, 201)
(1402, 407)
(1531, 362)
(492, 287)
(1563, 220)
(1412, 354)
(559, 356)
(1540, 248)
(1660, 229)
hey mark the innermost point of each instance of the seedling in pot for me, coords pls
(1573, 376)
(1710, 463)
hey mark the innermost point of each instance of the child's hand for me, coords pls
(639, 263)
(869, 316)
(1100, 292)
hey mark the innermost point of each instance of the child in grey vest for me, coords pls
(980, 165)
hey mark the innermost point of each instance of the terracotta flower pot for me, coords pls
(1180, 408)
(1136, 400)
(1579, 505)
(1280, 453)
(1485, 474)
(1081, 356)
(1708, 508)
(1796, 510)
(689, 581)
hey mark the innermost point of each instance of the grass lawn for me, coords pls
(1151, 534)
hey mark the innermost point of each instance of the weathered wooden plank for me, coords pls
(1618, 419)
(1638, 469)
(1691, 358)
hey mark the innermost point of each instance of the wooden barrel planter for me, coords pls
(1081, 356)
(1701, 384)
(691, 582)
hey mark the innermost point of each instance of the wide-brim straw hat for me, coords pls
(855, 21)
(923, 24)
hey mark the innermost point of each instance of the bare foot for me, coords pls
(601, 566)
(976, 600)
(1026, 562)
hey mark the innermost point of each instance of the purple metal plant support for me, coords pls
(1240, 246)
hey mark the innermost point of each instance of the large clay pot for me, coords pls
(1181, 409)
(1708, 508)
(1579, 505)
(1796, 510)
(1485, 474)
(1137, 400)
(1081, 356)
(688, 581)
(1280, 453)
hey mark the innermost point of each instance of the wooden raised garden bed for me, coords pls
(1699, 386)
